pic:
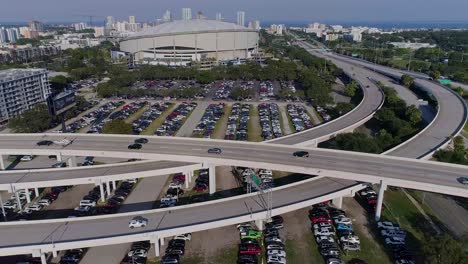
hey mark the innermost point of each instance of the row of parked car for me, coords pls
(331, 227)
(174, 191)
(237, 127)
(138, 253)
(207, 123)
(176, 119)
(299, 117)
(252, 179)
(175, 249)
(270, 121)
(73, 256)
(223, 91)
(147, 117)
(93, 116)
(202, 182)
(127, 111)
(394, 238)
(323, 113)
(368, 198)
(250, 248)
(266, 89)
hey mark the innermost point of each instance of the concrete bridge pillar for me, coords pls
(114, 185)
(72, 161)
(212, 180)
(161, 241)
(103, 194)
(28, 195)
(156, 246)
(54, 253)
(260, 224)
(187, 179)
(37, 253)
(338, 202)
(36, 192)
(59, 157)
(378, 209)
(2, 163)
(18, 201)
(108, 188)
(43, 258)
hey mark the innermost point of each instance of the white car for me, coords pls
(320, 239)
(142, 253)
(131, 180)
(27, 158)
(186, 237)
(320, 225)
(394, 241)
(343, 220)
(273, 239)
(276, 259)
(387, 225)
(11, 204)
(324, 232)
(138, 222)
(62, 142)
(350, 239)
(276, 252)
(175, 186)
(87, 203)
(243, 225)
(34, 207)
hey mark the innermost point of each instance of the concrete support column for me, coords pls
(114, 185)
(189, 176)
(103, 195)
(338, 202)
(54, 254)
(212, 180)
(260, 224)
(3, 208)
(378, 209)
(108, 189)
(18, 201)
(59, 157)
(28, 196)
(161, 241)
(43, 258)
(2, 163)
(156, 246)
(72, 161)
(36, 192)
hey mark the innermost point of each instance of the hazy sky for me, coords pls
(264, 10)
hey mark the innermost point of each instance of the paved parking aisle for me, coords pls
(191, 123)
(141, 198)
(285, 120)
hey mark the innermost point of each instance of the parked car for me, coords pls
(186, 237)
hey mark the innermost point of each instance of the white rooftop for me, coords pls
(189, 26)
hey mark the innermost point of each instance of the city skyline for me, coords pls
(340, 10)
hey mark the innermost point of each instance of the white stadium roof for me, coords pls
(189, 26)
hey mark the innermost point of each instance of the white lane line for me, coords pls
(196, 149)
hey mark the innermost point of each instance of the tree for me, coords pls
(34, 120)
(117, 126)
(435, 75)
(351, 88)
(443, 249)
(406, 80)
(385, 139)
(356, 142)
(413, 115)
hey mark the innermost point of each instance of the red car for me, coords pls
(200, 187)
(320, 219)
(179, 177)
(250, 249)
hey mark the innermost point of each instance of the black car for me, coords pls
(141, 141)
(44, 143)
(215, 151)
(135, 146)
(301, 154)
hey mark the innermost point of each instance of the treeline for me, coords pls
(397, 123)
(37, 119)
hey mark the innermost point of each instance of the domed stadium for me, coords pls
(182, 42)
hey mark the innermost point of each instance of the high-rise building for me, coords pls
(99, 31)
(110, 22)
(13, 34)
(131, 19)
(219, 17)
(167, 17)
(3, 35)
(36, 26)
(186, 13)
(241, 18)
(80, 26)
(254, 25)
(21, 89)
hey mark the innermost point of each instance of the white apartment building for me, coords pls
(21, 89)
(186, 13)
(241, 18)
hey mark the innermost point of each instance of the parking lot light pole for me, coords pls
(378, 209)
